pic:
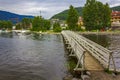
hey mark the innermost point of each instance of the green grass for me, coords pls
(108, 71)
(71, 64)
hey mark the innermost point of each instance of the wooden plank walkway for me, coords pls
(91, 63)
(89, 54)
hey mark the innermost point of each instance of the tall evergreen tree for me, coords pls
(72, 18)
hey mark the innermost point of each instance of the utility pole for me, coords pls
(40, 13)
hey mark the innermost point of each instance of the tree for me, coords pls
(96, 15)
(72, 18)
(107, 16)
(18, 26)
(46, 25)
(89, 15)
(40, 24)
(56, 27)
(9, 25)
(36, 24)
(6, 25)
(26, 23)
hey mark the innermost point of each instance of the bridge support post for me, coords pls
(73, 50)
(111, 57)
(81, 62)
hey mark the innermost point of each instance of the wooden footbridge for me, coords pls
(89, 54)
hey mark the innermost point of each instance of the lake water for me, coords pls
(42, 56)
(32, 57)
(111, 42)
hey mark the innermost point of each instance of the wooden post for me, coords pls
(113, 63)
(109, 60)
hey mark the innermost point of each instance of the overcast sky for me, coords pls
(47, 7)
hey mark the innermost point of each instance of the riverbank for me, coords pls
(39, 32)
(104, 32)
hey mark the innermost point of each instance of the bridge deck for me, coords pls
(91, 63)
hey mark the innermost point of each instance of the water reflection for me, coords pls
(8, 35)
(103, 40)
(31, 57)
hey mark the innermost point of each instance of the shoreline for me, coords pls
(100, 33)
(86, 32)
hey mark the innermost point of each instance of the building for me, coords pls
(62, 23)
(115, 20)
(80, 21)
(53, 21)
(115, 16)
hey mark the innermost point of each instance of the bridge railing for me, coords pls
(76, 50)
(103, 55)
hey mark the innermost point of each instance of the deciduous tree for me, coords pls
(96, 15)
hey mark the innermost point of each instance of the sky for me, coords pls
(48, 8)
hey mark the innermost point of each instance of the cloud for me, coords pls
(47, 7)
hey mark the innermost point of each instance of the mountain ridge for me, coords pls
(63, 15)
(5, 15)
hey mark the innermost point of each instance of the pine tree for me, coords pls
(72, 18)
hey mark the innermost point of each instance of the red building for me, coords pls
(115, 16)
(115, 20)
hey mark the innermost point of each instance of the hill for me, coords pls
(63, 15)
(4, 15)
(116, 8)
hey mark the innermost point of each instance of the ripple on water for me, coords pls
(32, 57)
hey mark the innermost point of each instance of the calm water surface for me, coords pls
(111, 41)
(32, 57)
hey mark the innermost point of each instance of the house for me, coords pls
(115, 20)
(115, 16)
(62, 23)
(80, 21)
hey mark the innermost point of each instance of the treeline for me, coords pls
(35, 24)
(6, 25)
(38, 24)
(26, 23)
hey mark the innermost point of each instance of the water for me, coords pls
(32, 57)
(111, 42)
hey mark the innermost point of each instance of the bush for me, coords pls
(56, 27)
